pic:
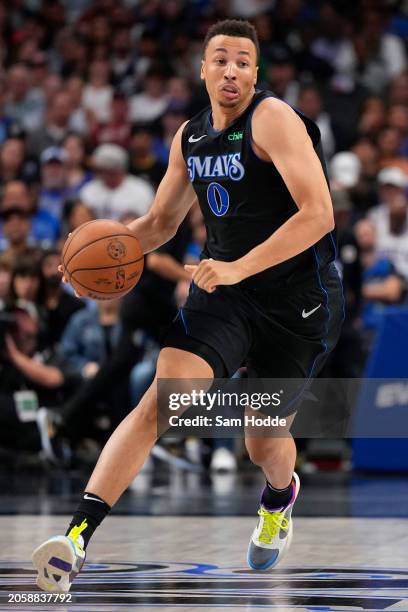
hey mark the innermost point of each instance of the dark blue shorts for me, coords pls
(285, 333)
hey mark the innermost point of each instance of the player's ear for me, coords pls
(256, 75)
(202, 75)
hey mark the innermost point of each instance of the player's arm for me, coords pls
(174, 198)
(281, 136)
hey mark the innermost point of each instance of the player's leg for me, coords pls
(296, 348)
(59, 559)
(276, 456)
(128, 447)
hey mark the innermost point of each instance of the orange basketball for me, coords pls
(102, 259)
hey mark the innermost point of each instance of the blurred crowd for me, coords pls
(91, 95)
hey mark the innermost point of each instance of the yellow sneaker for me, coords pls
(272, 536)
(59, 560)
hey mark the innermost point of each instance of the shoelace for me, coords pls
(76, 531)
(272, 523)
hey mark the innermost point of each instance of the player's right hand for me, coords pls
(65, 280)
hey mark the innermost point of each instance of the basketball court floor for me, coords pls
(177, 541)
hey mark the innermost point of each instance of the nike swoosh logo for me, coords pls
(86, 496)
(307, 314)
(192, 139)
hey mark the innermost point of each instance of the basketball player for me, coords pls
(266, 293)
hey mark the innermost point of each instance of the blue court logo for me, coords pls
(218, 199)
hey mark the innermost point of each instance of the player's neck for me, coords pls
(223, 117)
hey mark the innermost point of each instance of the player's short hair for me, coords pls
(233, 27)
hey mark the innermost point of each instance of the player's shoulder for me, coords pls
(271, 113)
(271, 107)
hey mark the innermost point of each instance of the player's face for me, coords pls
(229, 70)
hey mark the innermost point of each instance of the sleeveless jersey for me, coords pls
(244, 199)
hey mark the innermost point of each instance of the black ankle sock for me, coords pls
(272, 498)
(88, 516)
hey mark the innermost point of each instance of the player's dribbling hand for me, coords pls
(65, 280)
(208, 274)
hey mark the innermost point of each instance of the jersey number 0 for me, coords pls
(218, 199)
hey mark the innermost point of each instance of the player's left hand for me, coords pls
(208, 274)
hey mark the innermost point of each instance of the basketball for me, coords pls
(102, 260)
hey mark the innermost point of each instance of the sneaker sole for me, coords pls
(56, 557)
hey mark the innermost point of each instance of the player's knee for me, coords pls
(177, 364)
(262, 451)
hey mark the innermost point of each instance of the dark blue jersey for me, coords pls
(243, 198)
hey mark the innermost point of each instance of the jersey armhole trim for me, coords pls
(183, 138)
(250, 138)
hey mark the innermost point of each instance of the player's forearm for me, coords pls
(151, 231)
(299, 233)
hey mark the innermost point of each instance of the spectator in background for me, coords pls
(151, 103)
(37, 62)
(398, 90)
(44, 227)
(78, 121)
(390, 219)
(97, 93)
(381, 284)
(372, 55)
(6, 271)
(75, 214)
(57, 305)
(53, 85)
(365, 192)
(398, 120)
(373, 117)
(344, 170)
(123, 60)
(179, 94)
(16, 225)
(169, 123)
(389, 145)
(348, 256)
(41, 375)
(147, 55)
(23, 105)
(330, 39)
(281, 74)
(57, 125)
(143, 160)
(88, 340)
(117, 129)
(53, 181)
(27, 282)
(72, 53)
(13, 163)
(77, 173)
(310, 104)
(114, 192)
(339, 364)
(5, 119)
